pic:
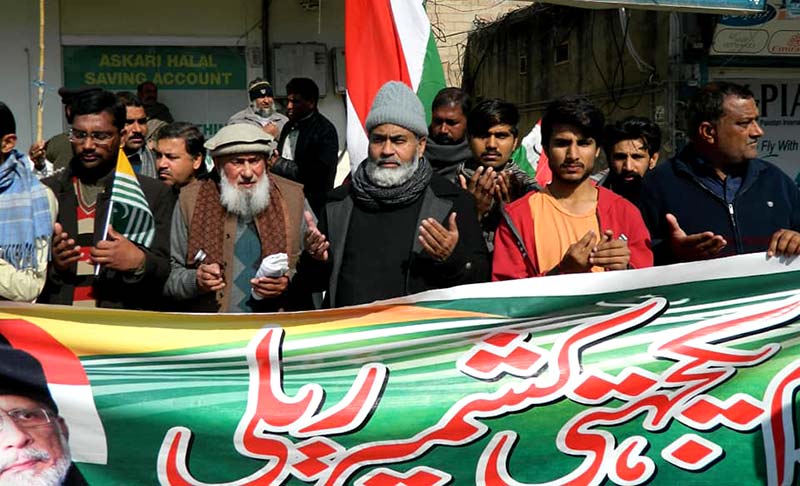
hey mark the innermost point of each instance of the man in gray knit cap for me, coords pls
(397, 229)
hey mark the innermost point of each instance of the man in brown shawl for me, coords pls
(237, 235)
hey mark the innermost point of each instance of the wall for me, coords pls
(514, 59)
(19, 58)
(194, 18)
(175, 23)
(453, 20)
(292, 23)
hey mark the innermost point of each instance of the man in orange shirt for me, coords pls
(570, 226)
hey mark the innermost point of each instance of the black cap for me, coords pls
(259, 88)
(69, 94)
(21, 374)
(7, 123)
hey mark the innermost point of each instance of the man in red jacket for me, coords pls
(570, 226)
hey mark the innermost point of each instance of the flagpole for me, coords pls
(40, 104)
(105, 232)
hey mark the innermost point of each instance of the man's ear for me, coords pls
(653, 161)
(8, 142)
(707, 132)
(197, 162)
(421, 146)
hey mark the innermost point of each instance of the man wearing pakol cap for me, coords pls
(261, 110)
(236, 237)
(34, 447)
(397, 229)
(27, 212)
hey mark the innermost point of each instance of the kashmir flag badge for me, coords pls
(129, 212)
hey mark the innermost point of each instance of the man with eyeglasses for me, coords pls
(34, 447)
(237, 235)
(130, 276)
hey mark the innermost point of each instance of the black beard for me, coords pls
(628, 189)
(94, 174)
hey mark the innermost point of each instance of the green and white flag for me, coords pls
(129, 213)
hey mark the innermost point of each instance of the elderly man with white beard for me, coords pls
(261, 110)
(34, 448)
(398, 228)
(236, 236)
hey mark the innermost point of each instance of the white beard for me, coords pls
(263, 112)
(245, 203)
(53, 476)
(391, 177)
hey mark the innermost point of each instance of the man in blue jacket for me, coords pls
(716, 198)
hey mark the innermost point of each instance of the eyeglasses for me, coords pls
(26, 417)
(100, 138)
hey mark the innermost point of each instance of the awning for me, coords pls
(702, 6)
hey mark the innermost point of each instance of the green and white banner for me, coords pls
(681, 375)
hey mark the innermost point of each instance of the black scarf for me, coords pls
(446, 155)
(374, 197)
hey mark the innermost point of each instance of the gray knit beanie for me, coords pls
(395, 103)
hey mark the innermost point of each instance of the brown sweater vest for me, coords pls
(294, 201)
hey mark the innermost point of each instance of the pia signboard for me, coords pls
(732, 7)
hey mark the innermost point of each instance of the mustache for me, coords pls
(443, 137)
(25, 455)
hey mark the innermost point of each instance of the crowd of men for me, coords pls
(249, 220)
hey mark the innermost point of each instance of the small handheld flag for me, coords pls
(129, 212)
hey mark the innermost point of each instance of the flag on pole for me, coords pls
(530, 156)
(386, 40)
(129, 212)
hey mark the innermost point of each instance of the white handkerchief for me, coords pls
(275, 265)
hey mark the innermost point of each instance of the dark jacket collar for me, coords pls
(690, 164)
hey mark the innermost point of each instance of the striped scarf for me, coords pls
(24, 213)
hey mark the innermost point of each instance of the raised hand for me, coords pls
(65, 251)
(576, 259)
(697, 246)
(481, 186)
(437, 241)
(316, 244)
(610, 253)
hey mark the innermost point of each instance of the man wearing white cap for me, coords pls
(398, 228)
(237, 235)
